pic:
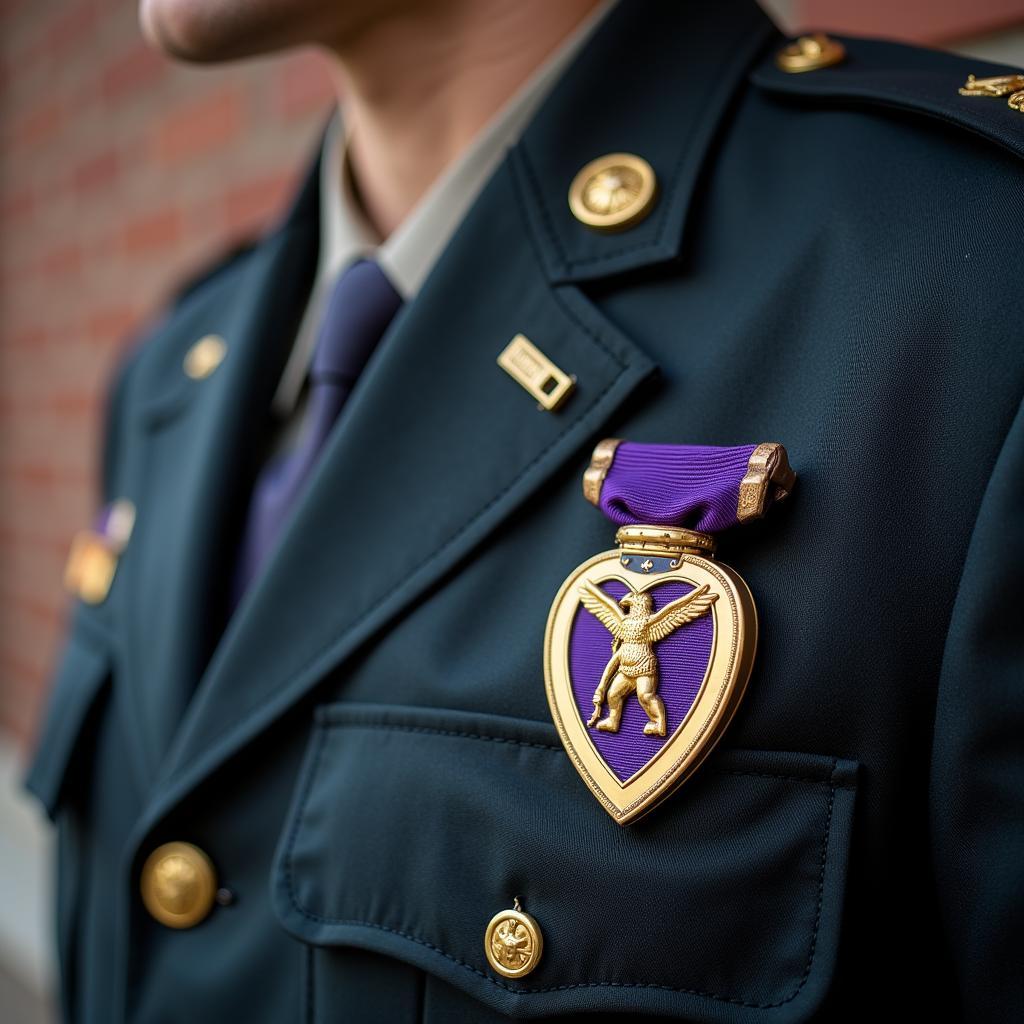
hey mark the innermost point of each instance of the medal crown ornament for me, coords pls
(649, 646)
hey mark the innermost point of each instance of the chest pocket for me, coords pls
(82, 675)
(411, 827)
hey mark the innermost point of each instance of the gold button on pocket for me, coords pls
(179, 885)
(513, 943)
(613, 192)
(205, 356)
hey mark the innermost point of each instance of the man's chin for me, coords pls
(207, 31)
(180, 28)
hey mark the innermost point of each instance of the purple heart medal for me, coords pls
(648, 648)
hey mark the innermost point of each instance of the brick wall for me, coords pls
(121, 172)
(931, 22)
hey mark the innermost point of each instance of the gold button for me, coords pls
(513, 943)
(205, 356)
(613, 192)
(179, 885)
(809, 53)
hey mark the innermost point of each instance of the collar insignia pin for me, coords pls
(649, 647)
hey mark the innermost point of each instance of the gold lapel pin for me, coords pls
(538, 375)
(205, 356)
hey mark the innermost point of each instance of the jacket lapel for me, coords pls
(437, 445)
(203, 443)
(434, 448)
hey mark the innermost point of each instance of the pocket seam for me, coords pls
(323, 727)
(428, 730)
(532, 745)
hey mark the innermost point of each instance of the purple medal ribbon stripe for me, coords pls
(692, 486)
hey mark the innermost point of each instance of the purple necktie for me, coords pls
(359, 309)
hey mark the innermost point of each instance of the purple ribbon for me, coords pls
(114, 523)
(691, 486)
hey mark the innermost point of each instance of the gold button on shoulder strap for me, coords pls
(810, 53)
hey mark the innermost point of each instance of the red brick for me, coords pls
(72, 28)
(17, 205)
(925, 21)
(36, 126)
(29, 337)
(46, 476)
(153, 232)
(201, 126)
(132, 73)
(97, 171)
(32, 474)
(251, 204)
(112, 323)
(76, 405)
(21, 667)
(62, 260)
(45, 612)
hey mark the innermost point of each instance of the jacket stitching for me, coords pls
(427, 730)
(310, 987)
(517, 188)
(293, 900)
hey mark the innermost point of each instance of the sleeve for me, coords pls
(976, 792)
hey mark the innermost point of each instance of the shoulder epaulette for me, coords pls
(209, 273)
(974, 94)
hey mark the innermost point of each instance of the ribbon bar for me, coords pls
(692, 486)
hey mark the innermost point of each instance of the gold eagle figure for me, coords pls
(633, 667)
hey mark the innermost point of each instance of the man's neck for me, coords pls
(416, 89)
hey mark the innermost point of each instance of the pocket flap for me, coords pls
(83, 669)
(412, 827)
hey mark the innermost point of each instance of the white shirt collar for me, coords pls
(409, 254)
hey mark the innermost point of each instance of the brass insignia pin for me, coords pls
(1010, 86)
(94, 554)
(649, 646)
(513, 942)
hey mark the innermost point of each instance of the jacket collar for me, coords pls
(655, 80)
(437, 446)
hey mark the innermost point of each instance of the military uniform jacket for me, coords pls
(365, 752)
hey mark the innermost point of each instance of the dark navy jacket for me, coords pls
(365, 750)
